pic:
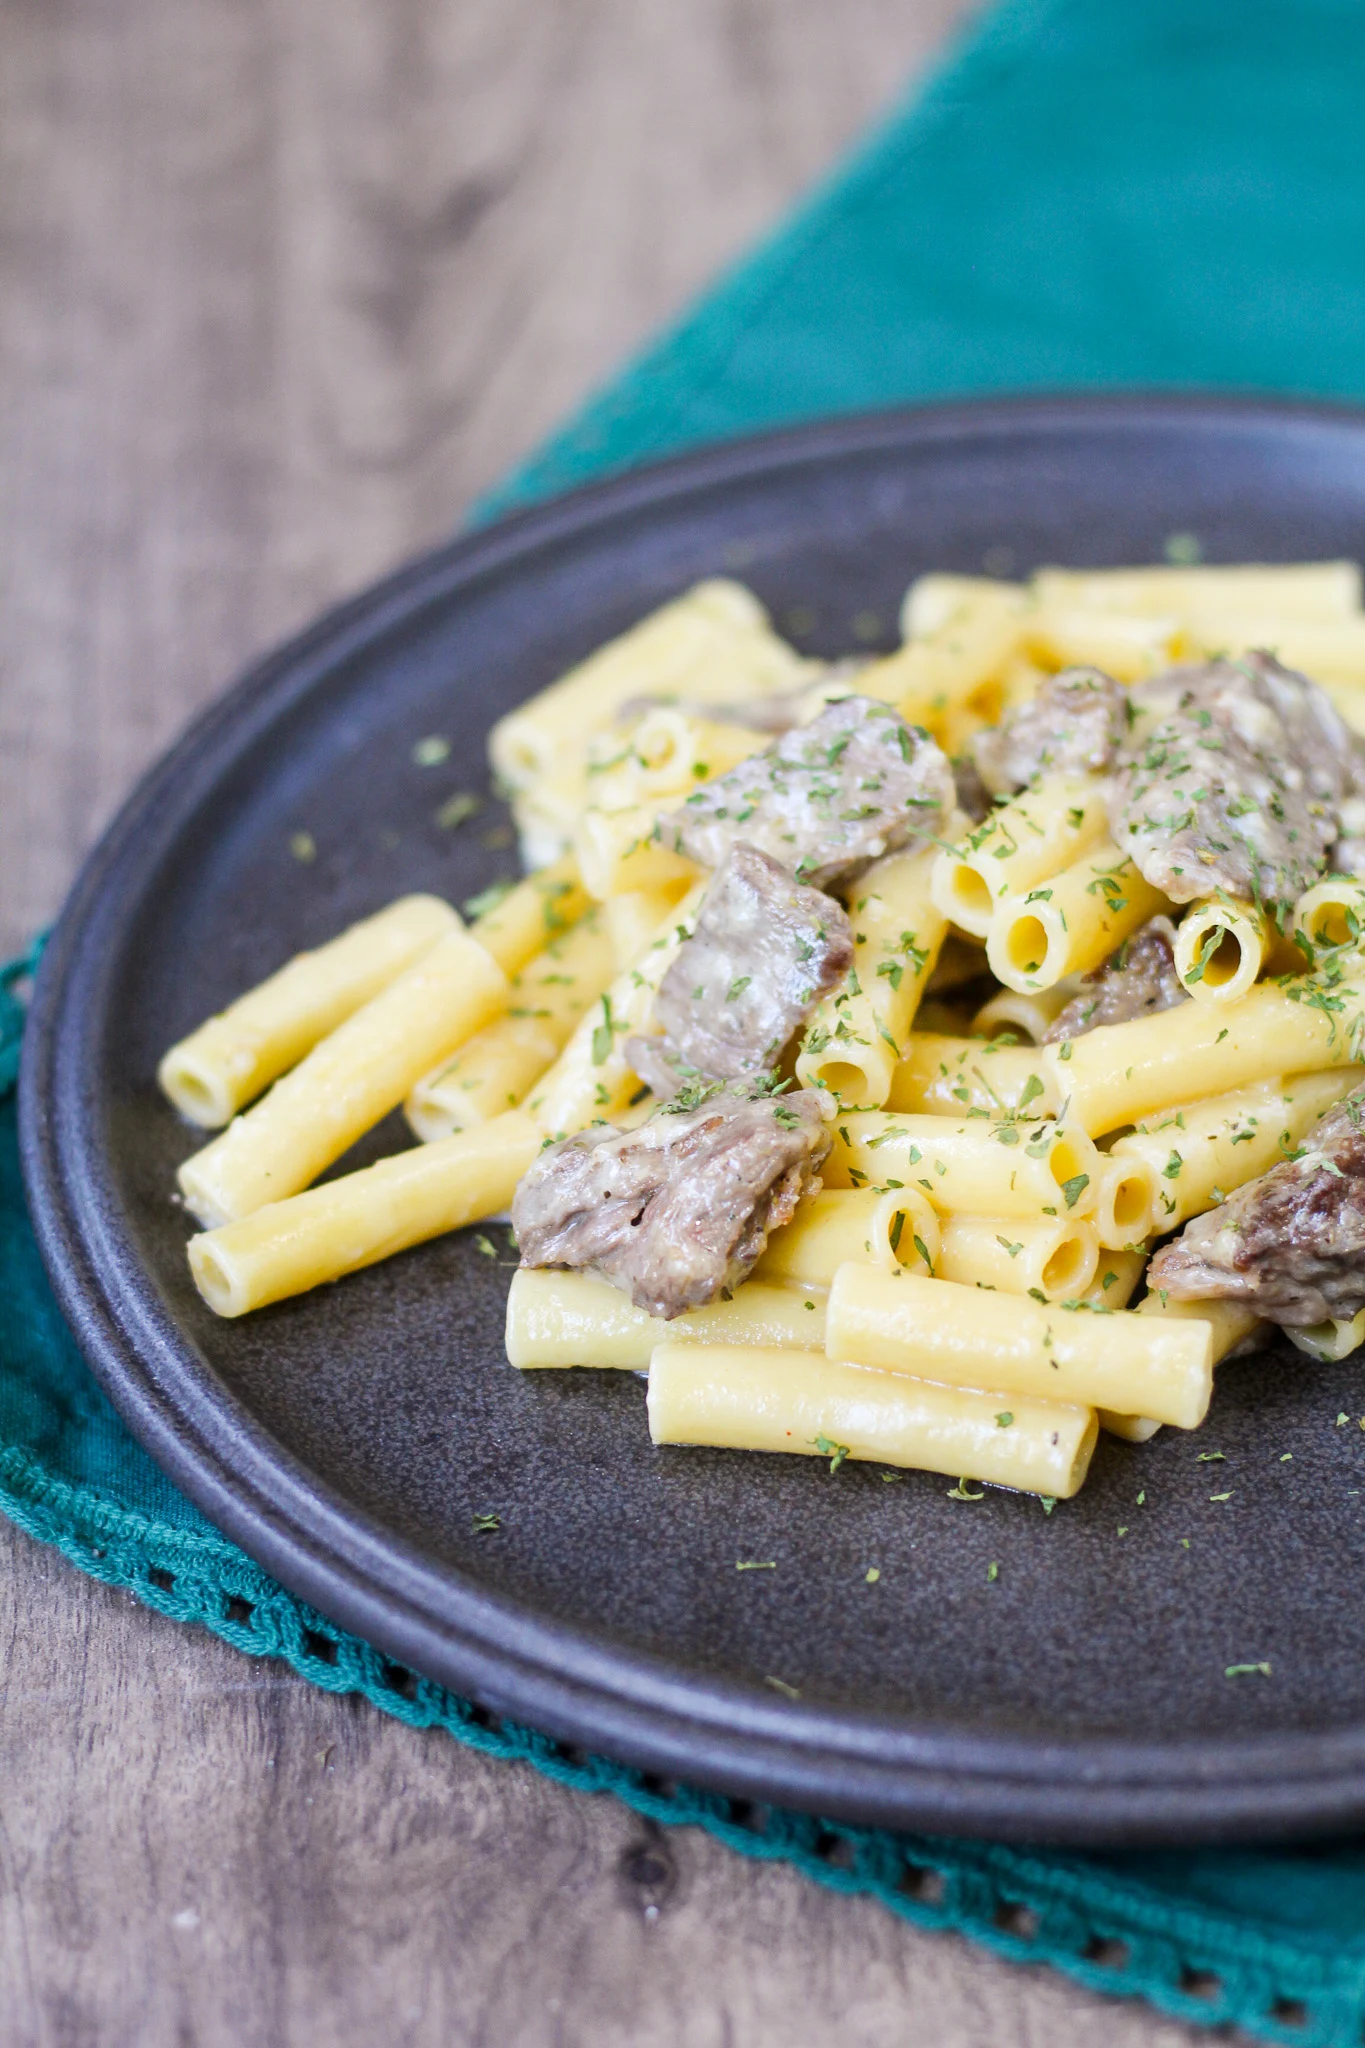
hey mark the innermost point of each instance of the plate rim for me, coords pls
(904, 1771)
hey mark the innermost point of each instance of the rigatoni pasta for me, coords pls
(856, 1124)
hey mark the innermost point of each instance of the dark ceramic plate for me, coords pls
(348, 1439)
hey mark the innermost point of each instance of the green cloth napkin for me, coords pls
(1089, 193)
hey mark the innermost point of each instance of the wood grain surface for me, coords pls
(283, 284)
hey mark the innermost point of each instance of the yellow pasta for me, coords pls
(493, 1070)
(1199, 1154)
(1127, 1206)
(977, 1168)
(1030, 1012)
(1127, 647)
(1048, 1255)
(1072, 923)
(713, 643)
(1331, 1341)
(575, 1319)
(1332, 651)
(1305, 590)
(856, 1035)
(958, 666)
(347, 1082)
(288, 1247)
(634, 917)
(1229, 1324)
(1121, 1073)
(948, 1075)
(591, 1077)
(1117, 1274)
(521, 923)
(968, 1336)
(935, 601)
(1220, 948)
(664, 753)
(757, 1400)
(616, 852)
(1332, 913)
(897, 1228)
(1034, 836)
(232, 1057)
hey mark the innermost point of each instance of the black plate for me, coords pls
(348, 1439)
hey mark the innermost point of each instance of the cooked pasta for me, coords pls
(796, 1102)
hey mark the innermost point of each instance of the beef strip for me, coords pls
(1348, 855)
(1291, 1245)
(1073, 725)
(1231, 779)
(855, 783)
(679, 1210)
(1136, 981)
(764, 950)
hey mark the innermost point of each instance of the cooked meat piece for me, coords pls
(1231, 779)
(1072, 726)
(764, 950)
(1136, 981)
(1291, 1245)
(1348, 855)
(855, 783)
(678, 1210)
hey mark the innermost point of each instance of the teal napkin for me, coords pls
(1089, 193)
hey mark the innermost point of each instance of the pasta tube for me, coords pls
(1125, 647)
(1018, 1255)
(1121, 1073)
(714, 643)
(1032, 1012)
(957, 667)
(935, 601)
(1229, 1323)
(976, 1169)
(971, 1337)
(347, 1083)
(288, 1247)
(1331, 651)
(1328, 1342)
(947, 1076)
(1198, 1155)
(856, 1035)
(752, 1400)
(1332, 913)
(616, 852)
(1071, 923)
(1220, 948)
(1303, 590)
(232, 1057)
(521, 923)
(568, 1319)
(1116, 1277)
(1035, 835)
(633, 918)
(493, 1070)
(666, 752)
(591, 1078)
(897, 1228)
(1127, 1208)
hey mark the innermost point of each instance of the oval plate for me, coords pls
(348, 1439)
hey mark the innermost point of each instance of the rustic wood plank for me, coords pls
(196, 1846)
(282, 285)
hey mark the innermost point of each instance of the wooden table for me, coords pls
(283, 284)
